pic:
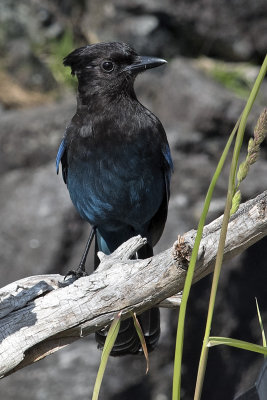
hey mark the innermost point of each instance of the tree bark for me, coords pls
(41, 314)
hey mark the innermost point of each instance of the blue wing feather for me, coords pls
(167, 155)
(61, 150)
(169, 164)
(157, 223)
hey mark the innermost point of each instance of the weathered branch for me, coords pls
(41, 314)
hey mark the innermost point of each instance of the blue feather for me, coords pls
(169, 170)
(167, 155)
(61, 150)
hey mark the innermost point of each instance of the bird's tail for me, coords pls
(127, 341)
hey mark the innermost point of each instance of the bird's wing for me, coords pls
(62, 157)
(158, 221)
(61, 150)
(168, 167)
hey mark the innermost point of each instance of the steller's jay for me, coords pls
(117, 165)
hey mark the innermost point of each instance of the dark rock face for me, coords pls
(227, 29)
(41, 233)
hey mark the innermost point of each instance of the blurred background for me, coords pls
(214, 50)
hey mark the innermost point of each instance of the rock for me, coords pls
(29, 138)
(231, 30)
(30, 236)
(13, 95)
(22, 32)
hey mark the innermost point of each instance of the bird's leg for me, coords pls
(80, 271)
(81, 266)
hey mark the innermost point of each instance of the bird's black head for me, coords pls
(109, 67)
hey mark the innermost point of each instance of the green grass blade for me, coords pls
(190, 272)
(109, 343)
(240, 344)
(226, 217)
(261, 324)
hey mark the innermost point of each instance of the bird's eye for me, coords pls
(107, 66)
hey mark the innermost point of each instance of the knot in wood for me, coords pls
(262, 209)
(181, 252)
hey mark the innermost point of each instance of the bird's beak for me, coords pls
(145, 63)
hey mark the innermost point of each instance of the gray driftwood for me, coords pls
(41, 314)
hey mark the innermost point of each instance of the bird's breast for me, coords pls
(117, 184)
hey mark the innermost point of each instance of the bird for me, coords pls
(117, 165)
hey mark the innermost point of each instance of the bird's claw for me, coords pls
(77, 273)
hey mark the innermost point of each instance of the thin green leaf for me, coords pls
(109, 343)
(142, 339)
(190, 272)
(226, 217)
(240, 344)
(261, 324)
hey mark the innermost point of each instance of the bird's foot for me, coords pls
(77, 273)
